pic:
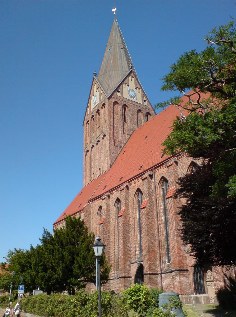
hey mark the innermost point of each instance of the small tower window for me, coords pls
(124, 118)
(147, 116)
(139, 118)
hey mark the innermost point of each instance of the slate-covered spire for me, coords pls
(116, 62)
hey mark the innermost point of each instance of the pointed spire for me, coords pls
(116, 62)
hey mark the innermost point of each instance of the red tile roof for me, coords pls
(142, 152)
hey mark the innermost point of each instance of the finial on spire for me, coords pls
(114, 11)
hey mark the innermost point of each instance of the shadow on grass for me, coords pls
(226, 297)
(220, 312)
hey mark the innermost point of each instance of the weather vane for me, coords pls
(114, 10)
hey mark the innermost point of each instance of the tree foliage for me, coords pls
(63, 261)
(212, 70)
(207, 132)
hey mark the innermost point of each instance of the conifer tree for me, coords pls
(64, 261)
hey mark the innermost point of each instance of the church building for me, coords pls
(127, 198)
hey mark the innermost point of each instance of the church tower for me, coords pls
(117, 106)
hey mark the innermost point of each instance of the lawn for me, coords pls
(207, 311)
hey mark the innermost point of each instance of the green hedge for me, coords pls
(136, 301)
(82, 305)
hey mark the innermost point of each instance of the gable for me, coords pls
(96, 96)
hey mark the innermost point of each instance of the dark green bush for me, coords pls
(227, 296)
(4, 300)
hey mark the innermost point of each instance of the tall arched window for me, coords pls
(116, 122)
(139, 275)
(139, 200)
(117, 206)
(124, 117)
(98, 118)
(100, 214)
(87, 131)
(92, 126)
(164, 189)
(198, 280)
(87, 166)
(92, 163)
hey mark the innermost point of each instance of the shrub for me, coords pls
(141, 299)
(136, 301)
(82, 304)
(4, 300)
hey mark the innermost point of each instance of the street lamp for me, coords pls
(98, 248)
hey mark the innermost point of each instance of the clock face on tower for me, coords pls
(132, 93)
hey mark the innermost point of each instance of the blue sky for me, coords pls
(49, 50)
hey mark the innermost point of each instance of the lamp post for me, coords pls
(10, 295)
(10, 292)
(98, 248)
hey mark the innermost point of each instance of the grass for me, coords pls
(207, 310)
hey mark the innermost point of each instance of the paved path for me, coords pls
(22, 314)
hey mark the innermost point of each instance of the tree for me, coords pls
(63, 261)
(206, 130)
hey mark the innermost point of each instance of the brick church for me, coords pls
(127, 198)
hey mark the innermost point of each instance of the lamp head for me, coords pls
(98, 247)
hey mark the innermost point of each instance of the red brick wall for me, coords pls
(120, 232)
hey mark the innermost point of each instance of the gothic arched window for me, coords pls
(117, 206)
(87, 130)
(98, 118)
(124, 117)
(164, 189)
(198, 280)
(139, 200)
(100, 214)
(92, 125)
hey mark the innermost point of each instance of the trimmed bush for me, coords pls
(82, 304)
(140, 299)
(136, 301)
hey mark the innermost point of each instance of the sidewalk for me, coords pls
(22, 314)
